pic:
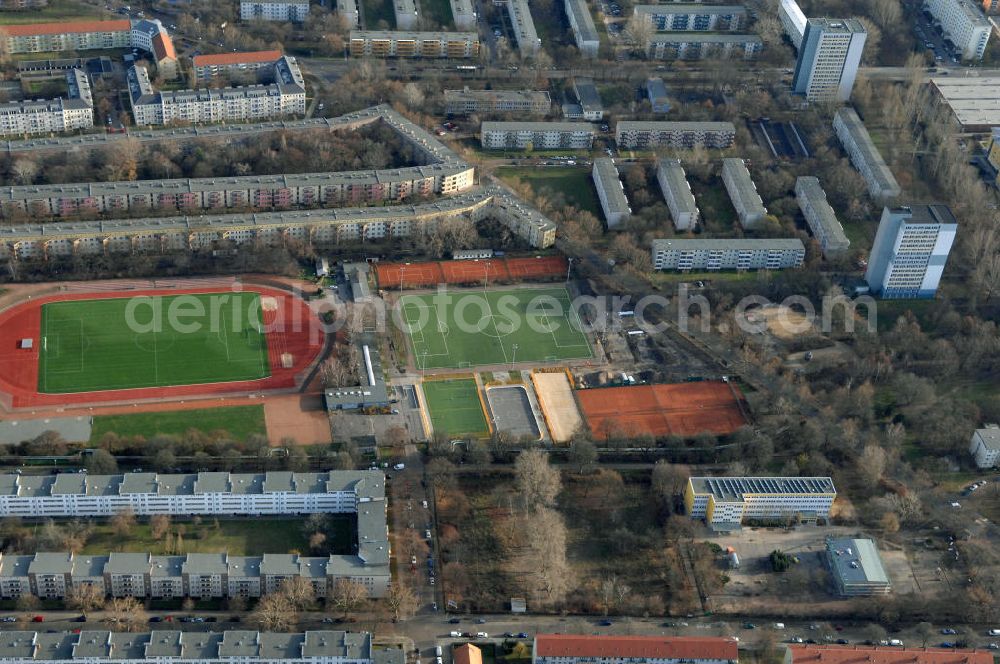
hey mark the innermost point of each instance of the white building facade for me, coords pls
(687, 255)
(829, 57)
(650, 134)
(865, 157)
(743, 192)
(295, 11)
(75, 111)
(677, 194)
(820, 217)
(582, 25)
(985, 446)
(910, 251)
(727, 502)
(536, 135)
(964, 23)
(610, 191)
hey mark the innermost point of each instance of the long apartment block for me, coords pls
(75, 111)
(406, 14)
(651, 134)
(701, 46)
(207, 66)
(537, 135)
(727, 502)
(295, 11)
(463, 14)
(249, 647)
(401, 44)
(285, 95)
(686, 255)
(820, 217)
(582, 24)
(858, 144)
(692, 17)
(677, 194)
(323, 227)
(523, 26)
(68, 36)
(614, 649)
(743, 192)
(514, 102)
(963, 22)
(610, 191)
(54, 575)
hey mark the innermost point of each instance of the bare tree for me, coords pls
(125, 614)
(274, 613)
(402, 601)
(347, 596)
(123, 522)
(538, 483)
(159, 526)
(299, 591)
(546, 531)
(85, 597)
(871, 464)
(583, 454)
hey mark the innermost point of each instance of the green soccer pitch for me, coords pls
(494, 328)
(455, 408)
(115, 344)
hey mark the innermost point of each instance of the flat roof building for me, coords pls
(793, 21)
(677, 194)
(610, 191)
(910, 251)
(609, 649)
(727, 502)
(856, 567)
(858, 144)
(964, 24)
(406, 14)
(686, 255)
(651, 134)
(463, 14)
(742, 192)
(985, 446)
(515, 102)
(692, 17)
(656, 91)
(820, 217)
(523, 26)
(402, 44)
(350, 12)
(295, 11)
(582, 25)
(536, 135)
(828, 60)
(974, 101)
(800, 653)
(703, 45)
(589, 99)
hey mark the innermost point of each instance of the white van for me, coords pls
(995, 632)
(779, 625)
(438, 651)
(482, 635)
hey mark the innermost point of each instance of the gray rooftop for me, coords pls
(670, 126)
(530, 96)
(587, 94)
(733, 488)
(537, 126)
(856, 561)
(811, 190)
(932, 213)
(51, 564)
(671, 173)
(869, 153)
(688, 8)
(655, 88)
(990, 437)
(743, 189)
(583, 20)
(612, 185)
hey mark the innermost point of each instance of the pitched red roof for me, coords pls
(679, 647)
(163, 47)
(235, 58)
(31, 29)
(467, 654)
(826, 654)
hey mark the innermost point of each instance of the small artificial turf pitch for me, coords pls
(455, 407)
(475, 328)
(122, 343)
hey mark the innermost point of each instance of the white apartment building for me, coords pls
(964, 23)
(296, 11)
(209, 66)
(231, 494)
(400, 44)
(677, 194)
(244, 646)
(582, 25)
(726, 502)
(350, 12)
(523, 26)
(75, 111)
(820, 216)
(642, 134)
(985, 446)
(68, 36)
(828, 60)
(536, 135)
(910, 251)
(610, 191)
(515, 102)
(699, 46)
(613, 649)
(858, 144)
(793, 21)
(286, 95)
(686, 255)
(692, 17)
(406, 14)
(463, 14)
(743, 192)
(591, 106)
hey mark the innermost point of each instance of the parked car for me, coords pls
(455, 635)
(482, 635)
(38, 619)
(455, 621)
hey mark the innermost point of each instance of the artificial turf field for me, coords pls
(455, 407)
(494, 322)
(110, 344)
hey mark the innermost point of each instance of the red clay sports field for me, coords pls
(292, 332)
(432, 273)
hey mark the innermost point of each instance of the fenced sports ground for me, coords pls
(456, 407)
(393, 276)
(493, 327)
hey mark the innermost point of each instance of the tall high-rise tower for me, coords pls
(828, 59)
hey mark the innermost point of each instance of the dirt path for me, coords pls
(300, 417)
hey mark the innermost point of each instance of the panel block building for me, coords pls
(985, 446)
(294, 11)
(692, 17)
(42, 116)
(858, 144)
(677, 194)
(463, 14)
(525, 35)
(820, 217)
(537, 135)
(727, 502)
(686, 255)
(650, 134)
(610, 191)
(582, 25)
(829, 58)
(398, 44)
(699, 46)
(607, 649)
(743, 192)
(962, 22)
(910, 251)
(514, 102)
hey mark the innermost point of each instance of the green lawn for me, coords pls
(574, 184)
(440, 12)
(379, 10)
(61, 11)
(455, 407)
(239, 537)
(717, 212)
(496, 327)
(238, 421)
(122, 343)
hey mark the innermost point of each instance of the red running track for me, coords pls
(291, 328)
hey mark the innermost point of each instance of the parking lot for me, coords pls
(929, 37)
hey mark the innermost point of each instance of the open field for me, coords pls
(455, 407)
(123, 343)
(717, 212)
(497, 270)
(574, 184)
(555, 396)
(682, 409)
(61, 11)
(238, 421)
(239, 537)
(474, 328)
